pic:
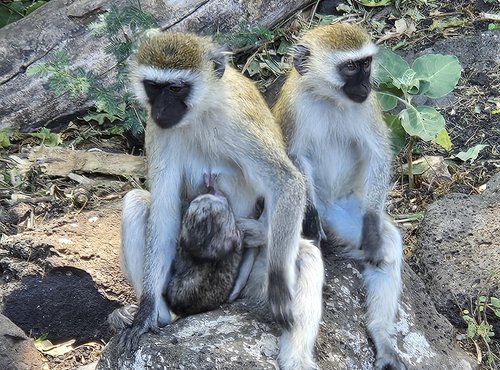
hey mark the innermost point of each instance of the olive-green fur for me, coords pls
(172, 50)
(339, 36)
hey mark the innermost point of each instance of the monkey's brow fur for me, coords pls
(340, 36)
(172, 50)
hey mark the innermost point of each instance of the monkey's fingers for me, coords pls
(280, 300)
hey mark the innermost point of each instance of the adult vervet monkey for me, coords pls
(205, 117)
(337, 138)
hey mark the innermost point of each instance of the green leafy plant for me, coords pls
(246, 37)
(11, 11)
(479, 331)
(43, 136)
(432, 75)
(111, 102)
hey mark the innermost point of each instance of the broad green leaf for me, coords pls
(409, 83)
(443, 140)
(441, 71)
(100, 117)
(495, 302)
(398, 134)
(423, 121)
(407, 77)
(47, 137)
(389, 66)
(387, 101)
(472, 153)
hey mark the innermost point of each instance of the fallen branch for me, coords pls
(62, 162)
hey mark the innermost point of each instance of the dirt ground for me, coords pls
(61, 278)
(59, 249)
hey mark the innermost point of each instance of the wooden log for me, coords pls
(25, 103)
(63, 162)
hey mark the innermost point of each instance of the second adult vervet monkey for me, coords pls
(205, 117)
(337, 138)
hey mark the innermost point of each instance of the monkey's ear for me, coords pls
(300, 58)
(219, 59)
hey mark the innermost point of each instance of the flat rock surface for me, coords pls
(238, 337)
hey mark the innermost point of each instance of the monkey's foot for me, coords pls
(122, 317)
(280, 299)
(389, 361)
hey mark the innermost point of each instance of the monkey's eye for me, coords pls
(151, 84)
(179, 88)
(351, 66)
(176, 88)
(367, 63)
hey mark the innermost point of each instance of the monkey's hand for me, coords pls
(280, 299)
(254, 232)
(311, 225)
(146, 319)
(371, 238)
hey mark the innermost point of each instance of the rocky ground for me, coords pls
(59, 262)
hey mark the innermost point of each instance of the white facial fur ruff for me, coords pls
(158, 75)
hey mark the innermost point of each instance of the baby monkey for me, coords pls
(208, 256)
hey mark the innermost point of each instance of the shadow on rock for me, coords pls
(64, 304)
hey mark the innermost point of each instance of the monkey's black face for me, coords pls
(168, 101)
(356, 74)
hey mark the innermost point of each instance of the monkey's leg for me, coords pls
(135, 215)
(254, 236)
(344, 218)
(122, 317)
(383, 285)
(297, 344)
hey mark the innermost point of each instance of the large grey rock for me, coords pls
(17, 351)
(237, 337)
(458, 250)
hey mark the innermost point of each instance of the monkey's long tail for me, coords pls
(297, 344)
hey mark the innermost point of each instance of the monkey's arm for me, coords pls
(284, 199)
(311, 225)
(161, 235)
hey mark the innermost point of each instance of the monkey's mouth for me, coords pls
(358, 98)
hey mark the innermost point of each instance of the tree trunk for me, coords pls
(60, 24)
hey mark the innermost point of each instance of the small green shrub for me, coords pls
(432, 75)
(479, 331)
(111, 102)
